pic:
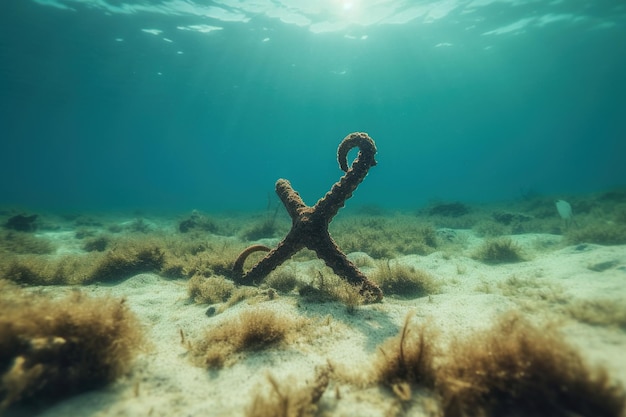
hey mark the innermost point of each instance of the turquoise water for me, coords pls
(181, 105)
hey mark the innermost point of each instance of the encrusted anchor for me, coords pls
(309, 228)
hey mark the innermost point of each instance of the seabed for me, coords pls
(539, 295)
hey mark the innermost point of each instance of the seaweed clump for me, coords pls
(381, 238)
(407, 360)
(218, 290)
(266, 228)
(499, 250)
(96, 244)
(599, 312)
(289, 399)
(518, 369)
(129, 258)
(402, 280)
(328, 288)
(22, 223)
(12, 242)
(197, 222)
(252, 330)
(50, 349)
(510, 369)
(598, 233)
(124, 259)
(283, 279)
(455, 209)
(212, 290)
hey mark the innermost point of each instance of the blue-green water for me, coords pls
(179, 105)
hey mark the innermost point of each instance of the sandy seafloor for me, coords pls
(164, 382)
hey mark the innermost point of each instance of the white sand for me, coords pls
(164, 382)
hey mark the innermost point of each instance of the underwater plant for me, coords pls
(362, 239)
(499, 250)
(218, 290)
(619, 214)
(191, 254)
(327, 287)
(22, 223)
(211, 290)
(455, 209)
(139, 225)
(241, 294)
(24, 243)
(383, 238)
(254, 329)
(96, 244)
(85, 221)
(50, 349)
(83, 233)
(197, 222)
(532, 293)
(266, 227)
(508, 218)
(128, 257)
(39, 270)
(600, 233)
(289, 399)
(515, 368)
(599, 312)
(403, 364)
(402, 280)
(124, 258)
(283, 279)
(407, 359)
(489, 228)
